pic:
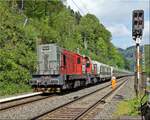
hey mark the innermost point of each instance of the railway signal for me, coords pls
(137, 23)
(137, 32)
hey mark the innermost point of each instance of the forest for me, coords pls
(37, 22)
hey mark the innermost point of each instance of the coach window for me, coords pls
(78, 60)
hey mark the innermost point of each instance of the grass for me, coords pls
(7, 89)
(129, 107)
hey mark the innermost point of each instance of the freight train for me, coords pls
(61, 69)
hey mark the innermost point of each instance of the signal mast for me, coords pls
(137, 33)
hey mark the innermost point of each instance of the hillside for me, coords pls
(129, 54)
(147, 59)
(41, 22)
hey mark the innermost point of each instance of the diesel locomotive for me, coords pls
(61, 69)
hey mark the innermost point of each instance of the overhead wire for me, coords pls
(84, 6)
(80, 10)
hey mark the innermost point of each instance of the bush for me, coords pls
(9, 88)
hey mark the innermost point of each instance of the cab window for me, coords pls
(78, 60)
(88, 64)
(64, 59)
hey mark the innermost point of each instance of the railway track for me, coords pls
(22, 101)
(80, 107)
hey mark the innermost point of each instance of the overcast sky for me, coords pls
(116, 15)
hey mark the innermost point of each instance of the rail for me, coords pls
(79, 111)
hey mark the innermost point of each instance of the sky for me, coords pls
(116, 16)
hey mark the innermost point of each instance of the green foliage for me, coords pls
(147, 59)
(48, 22)
(130, 107)
(17, 55)
(10, 88)
(40, 8)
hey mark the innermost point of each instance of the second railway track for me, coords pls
(23, 101)
(81, 106)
